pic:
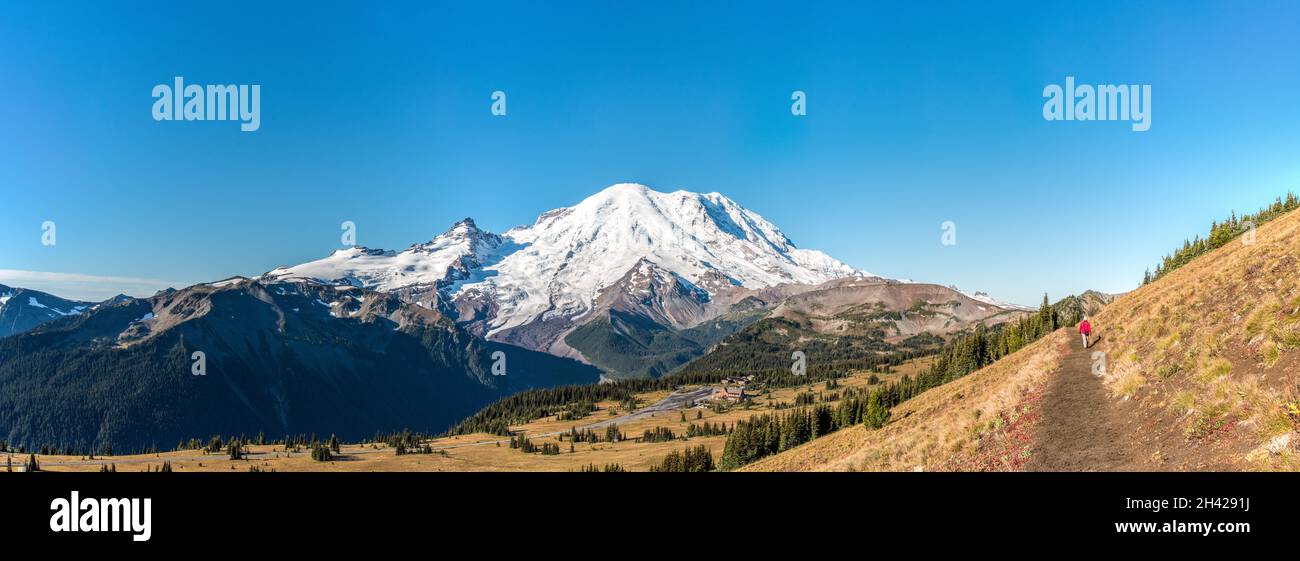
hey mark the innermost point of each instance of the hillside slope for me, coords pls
(938, 430)
(1199, 371)
(280, 358)
(845, 324)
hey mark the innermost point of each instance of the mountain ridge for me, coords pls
(691, 256)
(23, 309)
(293, 357)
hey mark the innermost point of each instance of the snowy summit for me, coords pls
(557, 266)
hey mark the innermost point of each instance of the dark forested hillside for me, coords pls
(632, 346)
(279, 360)
(766, 347)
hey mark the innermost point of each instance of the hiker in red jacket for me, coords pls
(1085, 328)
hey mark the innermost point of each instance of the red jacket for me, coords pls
(1085, 327)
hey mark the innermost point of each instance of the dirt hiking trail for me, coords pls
(1082, 428)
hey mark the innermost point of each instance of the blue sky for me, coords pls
(918, 113)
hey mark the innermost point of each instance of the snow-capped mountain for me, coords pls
(22, 309)
(533, 283)
(660, 295)
(985, 298)
(569, 255)
(451, 256)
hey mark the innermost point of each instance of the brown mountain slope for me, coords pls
(1199, 371)
(901, 309)
(939, 429)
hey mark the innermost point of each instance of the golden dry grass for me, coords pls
(1206, 357)
(1209, 350)
(933, 430)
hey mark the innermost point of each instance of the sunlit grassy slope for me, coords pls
(1202, 365)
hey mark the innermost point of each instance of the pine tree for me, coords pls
(321, 452)
(877, 413)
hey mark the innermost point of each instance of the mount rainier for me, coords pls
(531, 284)
(659, 262)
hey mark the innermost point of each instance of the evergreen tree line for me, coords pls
(216, 444)
(764, 349)
(577, 410)
(525, 445)
(658, 434)
(402, 449)
(406, 439)
(321, 453)
(534, 404)
(576, 435)
(706, 429)
(48, 449)
(694, 459)
(984, 346)
(612, 434)
(1220, 234)
(768, 434)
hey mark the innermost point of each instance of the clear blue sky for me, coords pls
(918, 112)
